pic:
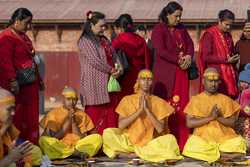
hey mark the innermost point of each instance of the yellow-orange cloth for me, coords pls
(141, 131)
(7, 139)
(158, 149)
(55, 119)
(56, 149)
(209, 140)
(201, 106)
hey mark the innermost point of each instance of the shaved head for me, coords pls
(211, 70)
(7, 106)
(211, 80)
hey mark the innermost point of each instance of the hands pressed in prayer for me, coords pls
(141, 104)
(233, 59)
(220, 114)
(145, 104)
(215, 112)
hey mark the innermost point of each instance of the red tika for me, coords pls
(214, 50)
(15, 53)
(169, 80)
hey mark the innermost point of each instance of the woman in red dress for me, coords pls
(16, 54)
(136, 50)
(174, 50)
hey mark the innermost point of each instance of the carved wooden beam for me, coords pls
(35, 33)
(59, 33)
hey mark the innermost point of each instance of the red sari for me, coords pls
(16, 53)
(169, 79)
(104, 115)
(214, 50)
(138, 55)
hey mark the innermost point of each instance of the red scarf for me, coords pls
(228, 75)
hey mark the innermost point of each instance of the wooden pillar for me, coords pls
(198, 33)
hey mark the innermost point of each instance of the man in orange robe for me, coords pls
(212, 116)
(142, 125)
(9, 153)
(65, 130)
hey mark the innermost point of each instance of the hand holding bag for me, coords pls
(113, 85)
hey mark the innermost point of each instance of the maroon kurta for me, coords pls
(15, 53)
(166, 60)
(138, 55)
(169, 79)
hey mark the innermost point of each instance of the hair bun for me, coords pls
(89, 14)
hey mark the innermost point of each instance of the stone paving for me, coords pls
(105, 162)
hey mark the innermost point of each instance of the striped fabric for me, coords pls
(94, 73)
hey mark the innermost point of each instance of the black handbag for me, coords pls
(122, 58)
(26, 76)
(193, 72)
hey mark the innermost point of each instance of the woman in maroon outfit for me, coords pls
(174, 50)
(16, 53)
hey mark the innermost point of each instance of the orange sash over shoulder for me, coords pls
(222, 50)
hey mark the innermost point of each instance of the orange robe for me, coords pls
(210, 139)
(6, 141)
(141, 137)
(201, 106)
(55, 119)
(141, 131)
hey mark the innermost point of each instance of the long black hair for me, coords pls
(226, 15)
(168, 10)
(92, 18)
(20, 14)
(125, 21)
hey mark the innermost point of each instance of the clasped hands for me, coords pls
(143, 104)
(216, 112)
(116, 72)
(233, 59)
(184, 61)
